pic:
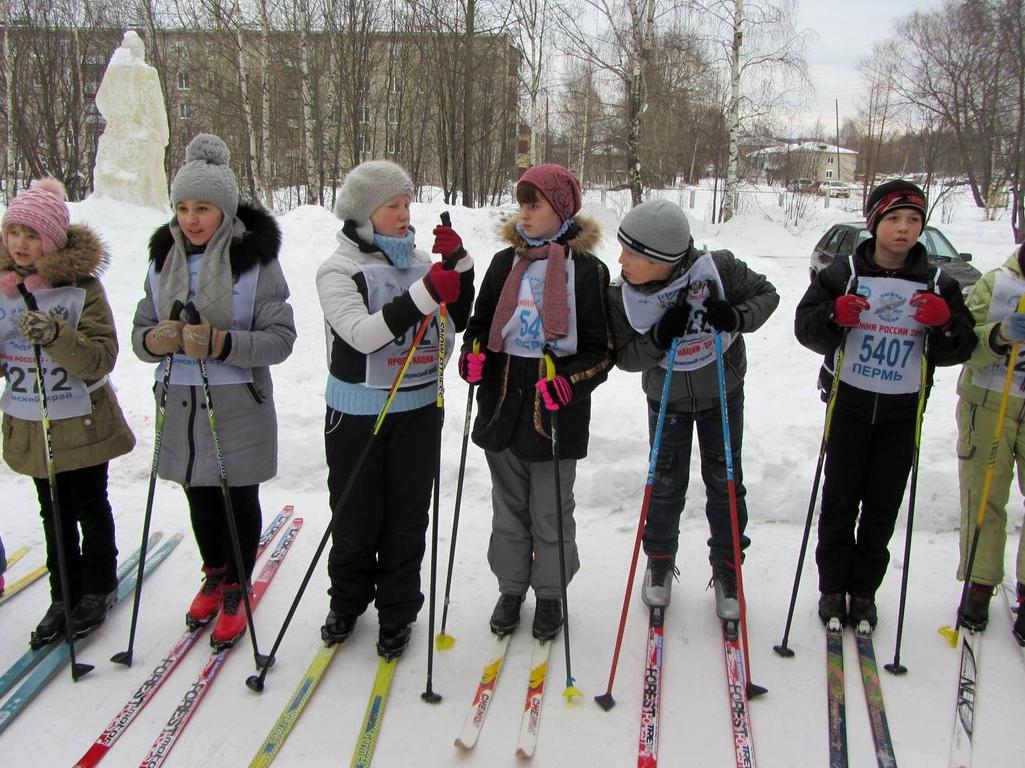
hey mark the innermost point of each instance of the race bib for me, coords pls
(384, 283)
(66, 395)
(1007, 291)
(524, 335)
(697, 346)
(883, 352)
(185, 370)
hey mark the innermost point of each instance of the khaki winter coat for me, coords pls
(88, 353)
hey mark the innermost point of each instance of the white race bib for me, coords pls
(185, 370)
(1007, 291)
(66, 395)
(697, 346)
(524, 335)
(883, 352)
(384, 283)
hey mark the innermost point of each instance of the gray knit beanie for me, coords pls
(206, 175)
(656, 229)
(366, 188)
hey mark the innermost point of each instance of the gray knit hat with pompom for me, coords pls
(366, 188)
(206, 175)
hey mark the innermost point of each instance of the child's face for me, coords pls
(392, 218)
(638, 269)
(538, 219)
(24, 244)
(199, 220)
(898, 231)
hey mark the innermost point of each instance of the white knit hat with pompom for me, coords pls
(42, 208)
(206, 175)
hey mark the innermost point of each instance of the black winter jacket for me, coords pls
(510, 411)
(816, 329)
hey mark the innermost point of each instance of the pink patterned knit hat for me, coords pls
(558, 185)
(41, 207)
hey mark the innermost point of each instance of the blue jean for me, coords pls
(672, 476)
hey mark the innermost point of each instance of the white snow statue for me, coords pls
(130, 155)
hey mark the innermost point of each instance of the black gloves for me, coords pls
(721, 315)
(671, 325)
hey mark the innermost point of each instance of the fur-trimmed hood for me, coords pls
(259, 244)
(583, 235)
(85, 255)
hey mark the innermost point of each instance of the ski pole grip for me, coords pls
(191, 314)
(549, 363)
(176, 309)
(30, 300)
(476, 346)
(449, 262)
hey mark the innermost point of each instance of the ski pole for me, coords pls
(443, 640)
(987, 482)
(752, 689)
(783, 649)
(605, 700)
(192, 314)
(78, 669)
(895, 667)
(256, 682)
(125, 656)
(571, 688)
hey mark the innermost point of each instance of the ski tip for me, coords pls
(783, 651)
(443, 642)
(605, 701)
(949, 634)
(895, 668)
(122, 657)
(572, 692)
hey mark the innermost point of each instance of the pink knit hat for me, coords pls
(558, 185)
(41, 207)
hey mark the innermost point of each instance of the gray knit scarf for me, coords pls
(213, 296)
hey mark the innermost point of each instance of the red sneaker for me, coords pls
(208, 599)
(231, 624)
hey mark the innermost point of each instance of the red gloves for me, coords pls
(471, 367)
(555, 392)
(932, 309)
(847, 309)
(442, 284)
(446, 242)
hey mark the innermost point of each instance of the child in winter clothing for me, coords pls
(74, 329)
(221, 255)
(993, 303)
(885, 312)
(670, 289)
(375, 290)
(546, 290)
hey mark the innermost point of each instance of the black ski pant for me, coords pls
(210, 526)
(867, 468)
(378, 538)
(91, 558)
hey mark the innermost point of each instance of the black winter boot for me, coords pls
(833, 605)
(50, 627)
(337, 627)
(506, 616)
(90, 612)
(975, 613)
(547, 619)
(1019, 622)
(392, 640)
(862, 609)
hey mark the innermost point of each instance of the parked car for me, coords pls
(842, 239)
(835, 189)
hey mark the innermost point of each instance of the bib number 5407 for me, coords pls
(885, 350)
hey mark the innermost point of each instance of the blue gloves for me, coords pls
(1012, 327)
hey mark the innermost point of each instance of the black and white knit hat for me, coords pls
(656, 229)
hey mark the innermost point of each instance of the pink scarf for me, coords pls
(555, 303)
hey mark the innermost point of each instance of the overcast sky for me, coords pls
(844, 33)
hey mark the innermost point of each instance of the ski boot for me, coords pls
(50, 627)
(337, 627)
(724, 579)
(231, 624)
(862, 615)
(91, 611)
(506, 616)
(658, 581)
(392, 640)
(833, 605)
(207, 600)
(975, 613)
(547, 619)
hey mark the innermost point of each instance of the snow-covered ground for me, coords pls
(783, 428)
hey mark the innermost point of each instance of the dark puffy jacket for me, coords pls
(815, 329)
(510, 412)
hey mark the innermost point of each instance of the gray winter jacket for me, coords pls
(246, 420)
(751, 295)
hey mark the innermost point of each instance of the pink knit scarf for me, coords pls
(555, 303)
